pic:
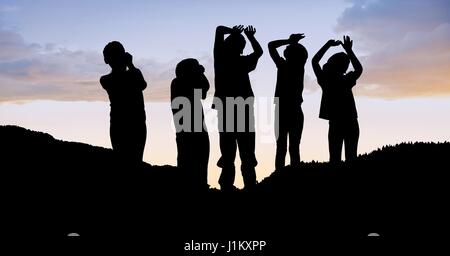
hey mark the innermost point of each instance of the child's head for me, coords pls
(337, 63)
(235, 44)
(189, 68)
(191, 73)
(114, 55)
(296, 53)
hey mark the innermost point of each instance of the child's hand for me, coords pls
(250, 31)
(333, 42)
(128, 59)
(294, 38)
(201, 69)
(347, 45)
(237, 29)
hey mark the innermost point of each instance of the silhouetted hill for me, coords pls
(55, 187)
(39, 154)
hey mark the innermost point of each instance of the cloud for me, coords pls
(32, 71)
(407, 45)
(8, 8)
(51, 72)
(159, 75)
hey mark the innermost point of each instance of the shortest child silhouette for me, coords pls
(338, 104)
(124, 86)
(187, 90)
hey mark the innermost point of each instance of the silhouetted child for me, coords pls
(288, 97)
(187, 90)
(338, 104)
(124, 86)
(233, 84)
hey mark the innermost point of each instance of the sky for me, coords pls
(51, 61)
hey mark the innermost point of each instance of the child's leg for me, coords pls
(280, 136)
(228, 147)
(142, 139)
(203, 159)
(136, 138)
(182, 158)
(116, 141)
(280, 157)
(351, 140)
(246, 143)
(295, 134)
(196, 158)
(335, 140)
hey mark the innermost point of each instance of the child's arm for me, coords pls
(221, 31)
(273, 49)
(347, 45)
(257, 49)
(316, 59)
(137, 75)
(104, 82)
(293, 39)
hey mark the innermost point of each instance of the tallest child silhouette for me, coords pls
(124, 86)
(233, 84)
